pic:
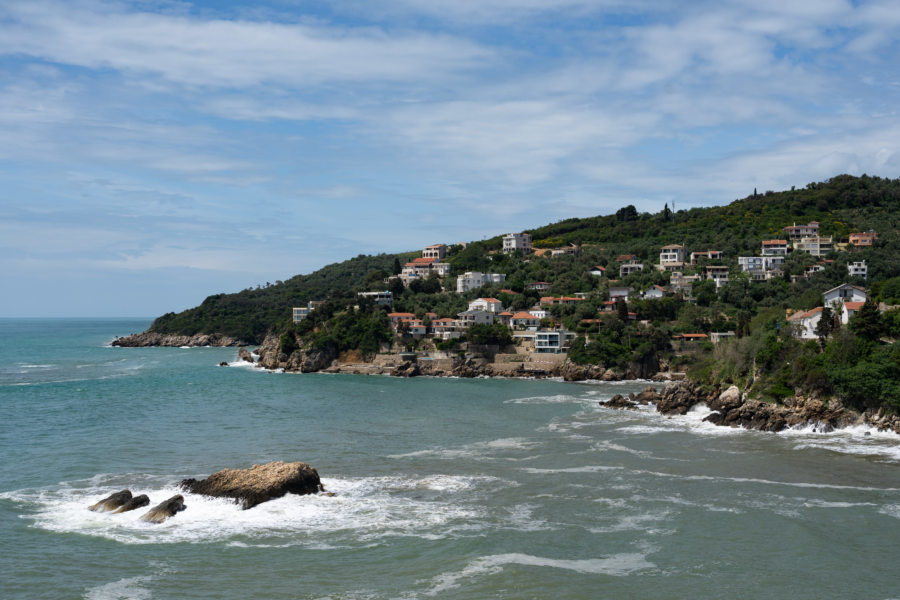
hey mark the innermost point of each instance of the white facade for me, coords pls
(474, 317)
(300, 312)
(774, 247)
(858, 269)
(491, 305)
(805, 323)
(619, 292)
(629, 268)
(474, 280)
(750, 263)
(381, 298)
(718, 274)
(673, 253)
(517, 241)
(844, 293)
(655, 292)
(552, 342)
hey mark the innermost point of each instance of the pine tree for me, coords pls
(867, 322)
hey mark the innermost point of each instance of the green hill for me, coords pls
(842, 205)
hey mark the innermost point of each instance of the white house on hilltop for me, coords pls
(517, 241)
(473, 280)
(491, 305)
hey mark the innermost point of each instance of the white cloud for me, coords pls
(220, 53)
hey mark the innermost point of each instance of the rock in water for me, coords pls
(164, 510)
(136, 502)
(112, 502)
(258, 483)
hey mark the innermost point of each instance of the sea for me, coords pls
(443, 488)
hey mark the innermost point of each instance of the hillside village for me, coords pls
(538, 329)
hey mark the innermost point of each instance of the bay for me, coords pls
(445, 488)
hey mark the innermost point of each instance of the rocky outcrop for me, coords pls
(301, 361)
(136, 502)
(621, 402)
(259, 483)
(679, 397)
(406, 369)
(112, 502)
(164, 510)
(571, 371)
(150, 338)
(244, 355)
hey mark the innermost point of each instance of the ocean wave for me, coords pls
(362, 510)
(755, 480)
(616, 565)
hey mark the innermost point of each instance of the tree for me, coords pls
(622, 309)
(867, 322)
(825, 325)
(397, 269)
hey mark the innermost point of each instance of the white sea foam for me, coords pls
(131, 588)
(557, 399)
(582, 469)
(891, 510)
(615, 565)
(478, 450)
(799, 484)
(643, 521)
(363, 510)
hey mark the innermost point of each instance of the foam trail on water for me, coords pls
(615, 565)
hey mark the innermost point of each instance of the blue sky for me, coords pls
(154, 152)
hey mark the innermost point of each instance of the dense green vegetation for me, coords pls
(852, 362)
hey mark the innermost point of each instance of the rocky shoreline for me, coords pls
(150, 338)
(467, 366)
(732, 408)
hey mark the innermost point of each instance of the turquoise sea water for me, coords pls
(444, 488)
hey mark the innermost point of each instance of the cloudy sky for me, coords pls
(155, 152)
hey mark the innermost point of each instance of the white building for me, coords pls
(598, 271)
(673, 253)
(474, 317)
(858, 269)
(620, 292)
(524, 319)
(517, 241)
(718, 274)
(300, 313)
(381, 298)
(844, 293)
(708, 254)
(474, 280)
(629, 268)
(774, 247)
(555, 341)
(805, 322)
(655, 292)
(750, 263)
(491, 305)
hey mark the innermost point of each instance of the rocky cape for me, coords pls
(733, 408)
(151, 338)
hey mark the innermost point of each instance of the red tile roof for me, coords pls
(523, 315)
(853, 305)
(774, 242)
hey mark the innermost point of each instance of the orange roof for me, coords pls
(491, 300)
(694, 335)
(773, 242)
(505, 313)
(505, 291)
(444, 320)
(523, 315)
(422, 261)
(853, 305)
(400, 314)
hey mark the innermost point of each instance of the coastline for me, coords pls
(730, 407)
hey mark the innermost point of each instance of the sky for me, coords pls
(155, 152)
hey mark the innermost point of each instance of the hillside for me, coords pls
(842, 205)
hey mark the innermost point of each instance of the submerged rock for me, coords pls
(112, 502)
(164, 510)
(136, 502)
(258, 483)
